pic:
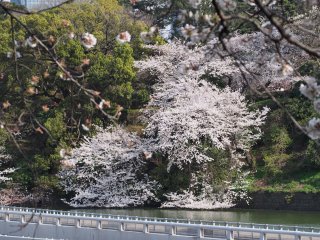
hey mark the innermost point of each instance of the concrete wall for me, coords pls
(69, 232)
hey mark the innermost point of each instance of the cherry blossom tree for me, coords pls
(188, 116)
(13, 196)
(190, 110)
(198, 102)
(198, 113)
(107, 170)
(279, 41)
(4, 159)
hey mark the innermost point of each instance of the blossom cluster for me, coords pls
(88, 40)
(257, 56)
(311, 90)
(107, 171)
(186, 111)
(4, 158)
(191, 109)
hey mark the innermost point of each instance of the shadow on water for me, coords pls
(250, 216)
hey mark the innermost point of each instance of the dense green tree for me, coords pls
(51, 92)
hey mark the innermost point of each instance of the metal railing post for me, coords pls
(78, 223)
(280, 236)
(23, 218)
(200, 232)
(122, 227)
(263, 236)
(229, 235)
(173, 230)
(99, 224)
(145, 228)
(252, 226)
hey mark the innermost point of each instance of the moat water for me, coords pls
(297, 218)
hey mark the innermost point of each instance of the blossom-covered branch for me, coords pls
(107, 170)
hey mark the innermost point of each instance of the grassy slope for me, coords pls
(303, 181)
(283, 161)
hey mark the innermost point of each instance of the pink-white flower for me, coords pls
(313, 128)
(62, 153)
(102, 104)
(287, 69)
(88, 40)
(147, 155)
(312, 89)
(85, 128)
(10, 54)
(71, 35)
(18, 54)
(194, 3)
(134, 2)
(31, 42)
(18, 44)
(227, 5)
(189, 31)
(67, 163)
(124, 37)
(146, 37)
(316, 104)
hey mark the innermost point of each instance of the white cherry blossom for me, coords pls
(88, 40)
(31, 42)
(316, 104)
(106, 171)
(311, 90)
(124, 37)
(4, 158)
(313, 128)
(227, 5)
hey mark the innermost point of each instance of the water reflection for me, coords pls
(252, 216)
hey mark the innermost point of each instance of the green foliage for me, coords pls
(313, 153)
(40, 164)
(122, 94)
(289, 8)
(285, 155)
(216, 173)
(140, 98)
(158, 40)
(219, 169)
(310, 68)
(120, 65)
(287, 160)
(114, 73)
(218, 81)
(48, 183)
(57, 105)
(56, 126)
(301, 181)
(173, 181)
(71, 51)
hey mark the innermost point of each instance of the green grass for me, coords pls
(302, 181)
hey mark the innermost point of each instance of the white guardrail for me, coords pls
(147, 225)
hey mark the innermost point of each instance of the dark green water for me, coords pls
(250, 216)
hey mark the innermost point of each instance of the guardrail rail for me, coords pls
(147, 225)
